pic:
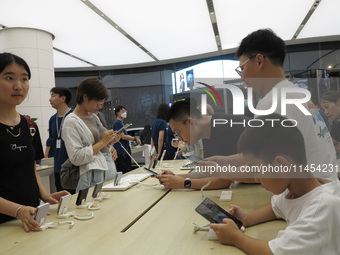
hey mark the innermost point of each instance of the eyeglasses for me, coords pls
(179, 130)
(239, 69)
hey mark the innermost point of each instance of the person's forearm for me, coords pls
(260, 215)
(232, 173)
(160, 146)
(127, 137)
(215, 183)
(42, 190)
(97, 147)
(8, 207)
(251, 245)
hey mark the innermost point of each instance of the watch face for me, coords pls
(187, 184)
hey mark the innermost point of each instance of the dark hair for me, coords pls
(265, 42)
(93, 88)
(273, 139)
(62, 91)
(181, 110)
(8, 58)
(192, 101)
(118, 108)
(330, 96)
(147, 128)
(162, 111)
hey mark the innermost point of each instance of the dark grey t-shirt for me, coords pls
(97, 131)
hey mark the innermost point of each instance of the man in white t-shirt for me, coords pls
(310, 206)
(261, 56)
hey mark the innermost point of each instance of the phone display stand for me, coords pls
(79, 216)
(47, 225)
(93, 206)
(161, 165)
(101, 196)
(84, 205)
(212, 235)
(65, 215)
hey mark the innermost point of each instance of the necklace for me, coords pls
(12, 133)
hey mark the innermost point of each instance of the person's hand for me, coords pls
(115, 138)
(138, 141)
(236, 211)
(114, 153)
(221, 160)
(55, 197)
(26, 215)
(163, 172)
(108, 136)
(171, 181)
(226, 232)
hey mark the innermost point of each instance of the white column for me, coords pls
(35, 47)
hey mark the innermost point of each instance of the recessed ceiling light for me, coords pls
(329, 67)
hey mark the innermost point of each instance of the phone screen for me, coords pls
(195, 159)
(214, 213)
(149, 170)
(82, 196)
(117, 178)
(97, 189)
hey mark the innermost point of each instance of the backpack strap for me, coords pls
(31, 126)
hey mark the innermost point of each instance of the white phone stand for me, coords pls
(76, 216)
(84, 205)
(47, 225)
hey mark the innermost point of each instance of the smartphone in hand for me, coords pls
(214, 213)
(41, 213)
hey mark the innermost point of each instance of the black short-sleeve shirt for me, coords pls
(19, 151)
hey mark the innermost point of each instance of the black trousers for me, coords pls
(123, 163)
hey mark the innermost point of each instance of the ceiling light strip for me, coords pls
(115, 25)
(213, 20)
(70, 55)
(305, 20)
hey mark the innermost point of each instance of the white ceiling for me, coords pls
(134, 32)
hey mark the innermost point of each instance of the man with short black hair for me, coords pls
(190, 126)
(261, 56)
(59, 100)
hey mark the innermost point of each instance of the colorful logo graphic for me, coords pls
(209, 93)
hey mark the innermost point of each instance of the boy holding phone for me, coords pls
(309, 205)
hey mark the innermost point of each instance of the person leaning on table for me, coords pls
(21, 188)
(309, 205)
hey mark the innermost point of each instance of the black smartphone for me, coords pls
(149, 170)
(97, 189)
(214, 213)
(117, 178)
(195, 159)
(123, 128)
(63, 204)
(81, 199)
(41, 213)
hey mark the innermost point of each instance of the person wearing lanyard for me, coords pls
(59, 100)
